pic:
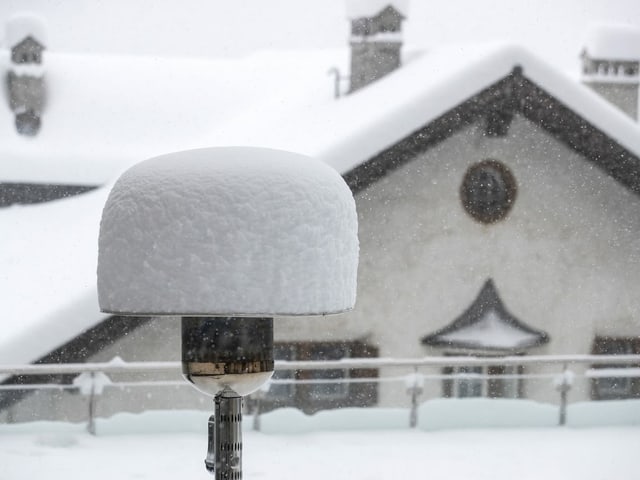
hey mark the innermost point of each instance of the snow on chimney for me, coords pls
(610, 65)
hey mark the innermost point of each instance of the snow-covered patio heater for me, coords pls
(225, 239)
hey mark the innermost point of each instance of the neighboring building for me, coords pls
(25, 79)
(610, 65)
(499, 214)
(376, 39)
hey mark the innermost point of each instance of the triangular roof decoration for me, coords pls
(487, 325)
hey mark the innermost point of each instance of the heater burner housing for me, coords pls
(225, 239)
(227, 354)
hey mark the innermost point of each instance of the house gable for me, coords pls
(563, 256)
(496, 105)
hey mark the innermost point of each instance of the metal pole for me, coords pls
(224, 455)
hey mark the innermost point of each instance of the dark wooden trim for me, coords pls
(30, 193)
(607, 345)
(487, 300)
(512, 94)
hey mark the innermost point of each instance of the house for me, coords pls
(498, 204)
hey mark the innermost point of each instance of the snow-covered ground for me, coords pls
(546, 453)
(354, 444)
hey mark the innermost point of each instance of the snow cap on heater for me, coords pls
(228, 231)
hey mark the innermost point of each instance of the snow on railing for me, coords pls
(120, 366)
(93, 378)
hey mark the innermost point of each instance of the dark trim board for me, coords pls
(76, 350)
(30, 193)
(496, 105)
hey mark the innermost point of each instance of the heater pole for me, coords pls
(224, 455)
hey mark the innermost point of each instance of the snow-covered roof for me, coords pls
(21, 26)
(614, 42)
(106, 113)
(369, 8)
(47, 274)
(347, 132)
(487, 325)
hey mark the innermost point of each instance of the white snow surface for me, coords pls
(23, 25)
(491, 332)
(369, 8)
(615, 42)
(48, 259)
(106, 113)
(170, 445)
(28, 69)
(229, 231)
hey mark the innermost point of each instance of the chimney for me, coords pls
(610, 65)
(25, 76)
(376, 38)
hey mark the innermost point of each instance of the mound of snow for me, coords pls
(228, 231)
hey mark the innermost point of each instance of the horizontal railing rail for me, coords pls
(92, 378)
(345, 363)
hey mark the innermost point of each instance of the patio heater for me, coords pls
(224, 240)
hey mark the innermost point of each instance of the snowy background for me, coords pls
(155, 448)
(214, 28)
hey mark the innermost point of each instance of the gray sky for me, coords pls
(215, 28)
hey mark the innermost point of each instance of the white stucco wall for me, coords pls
(566, 259)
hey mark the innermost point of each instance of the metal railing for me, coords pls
(93, 378)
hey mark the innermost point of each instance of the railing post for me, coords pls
(91, 426)
(414, 388)
(563, 385)
(91, 384)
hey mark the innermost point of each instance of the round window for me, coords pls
(488, 191)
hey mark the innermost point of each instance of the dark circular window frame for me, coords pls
(489, 212)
